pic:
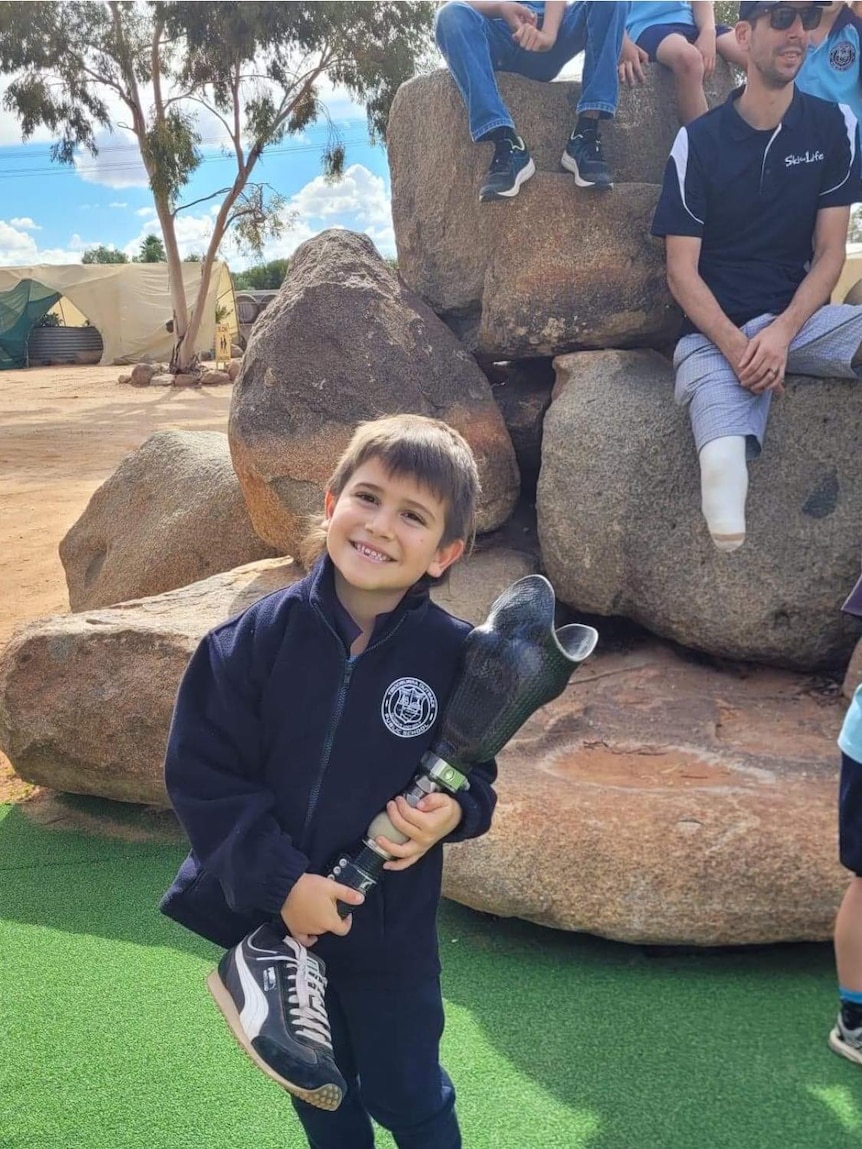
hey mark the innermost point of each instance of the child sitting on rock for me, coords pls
(682, 37)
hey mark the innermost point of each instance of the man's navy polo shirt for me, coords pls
(752, 198)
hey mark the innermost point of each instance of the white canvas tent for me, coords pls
(129, 303)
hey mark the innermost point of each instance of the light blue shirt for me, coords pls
(644, 14)
(850, 738)
(831, 69)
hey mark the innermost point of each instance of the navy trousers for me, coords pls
(386, 1043)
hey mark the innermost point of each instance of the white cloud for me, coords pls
(118, 163)
(146, 211)
(18, 248)
(25, 223)
(114, 203)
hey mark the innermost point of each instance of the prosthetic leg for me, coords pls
(512, 664)
(723, 489)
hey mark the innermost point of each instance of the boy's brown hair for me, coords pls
(415, 446)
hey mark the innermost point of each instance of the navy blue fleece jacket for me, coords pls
(283, 748)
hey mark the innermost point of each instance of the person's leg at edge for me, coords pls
(686, 64)
(846, 1037)
(599, 29)
(350, 1123)
(396, 1037)
(724, 489)
(472, 46)
(848, 960)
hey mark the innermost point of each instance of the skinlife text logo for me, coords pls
(806, 158)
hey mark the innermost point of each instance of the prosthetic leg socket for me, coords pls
(723, 489)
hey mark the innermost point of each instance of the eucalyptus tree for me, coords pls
(256, 67)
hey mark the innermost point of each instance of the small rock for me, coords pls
(234, 368)
(142, 373)
(125, 379)
(182, 380)
(214, 378)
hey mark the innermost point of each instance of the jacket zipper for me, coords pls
(336, 719)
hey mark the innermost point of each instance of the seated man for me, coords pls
(754, 211)
(536, 40)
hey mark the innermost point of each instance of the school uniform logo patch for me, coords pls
(842, 56)
(409, 707)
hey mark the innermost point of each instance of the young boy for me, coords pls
(846, 1037)
(832, 68)
(683, 38)
(295, 724)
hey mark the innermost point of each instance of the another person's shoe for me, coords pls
(271, 991)
(584, 158)
(847, 1042)
(511, 166)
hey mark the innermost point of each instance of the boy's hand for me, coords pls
(436, 816)
(533, 39)
(517, 15)
(705, 44)
(310, 908)
(631, 62)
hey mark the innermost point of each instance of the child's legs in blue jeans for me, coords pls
(597, 30)
(386, 1044)
(475, 48)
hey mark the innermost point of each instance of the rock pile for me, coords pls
(665, 796)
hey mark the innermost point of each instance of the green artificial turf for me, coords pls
(108, 1039)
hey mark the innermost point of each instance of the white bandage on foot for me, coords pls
(723, 489)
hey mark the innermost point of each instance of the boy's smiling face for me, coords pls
(383, 533)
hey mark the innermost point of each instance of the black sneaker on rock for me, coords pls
(846, 1042)
(271, 991)
(584, 157)
(511, 166)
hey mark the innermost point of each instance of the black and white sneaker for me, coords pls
(846, 1042)
(585, 159)
(511, 166)
(271, 989)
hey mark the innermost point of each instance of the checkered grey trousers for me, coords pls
(719, 405)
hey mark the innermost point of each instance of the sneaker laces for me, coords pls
(305, 995)
(592, 143)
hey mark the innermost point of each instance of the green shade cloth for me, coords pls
(20, 310)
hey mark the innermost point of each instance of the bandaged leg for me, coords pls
(723, 489)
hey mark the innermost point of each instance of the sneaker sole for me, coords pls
(327, 1097)
(570, 165)
(837, 1045)
(521, 178)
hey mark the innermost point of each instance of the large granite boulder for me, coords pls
(465, 258)
(171, 514)
(86, 699)
(621, 531)
(662, 801)
(343, 342)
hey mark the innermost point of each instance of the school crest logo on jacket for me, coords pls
(409, 707)
(842, 56)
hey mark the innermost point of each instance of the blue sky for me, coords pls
(50, 213)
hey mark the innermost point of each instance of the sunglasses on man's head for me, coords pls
(782, 16)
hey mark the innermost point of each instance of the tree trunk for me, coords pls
(182, 356)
